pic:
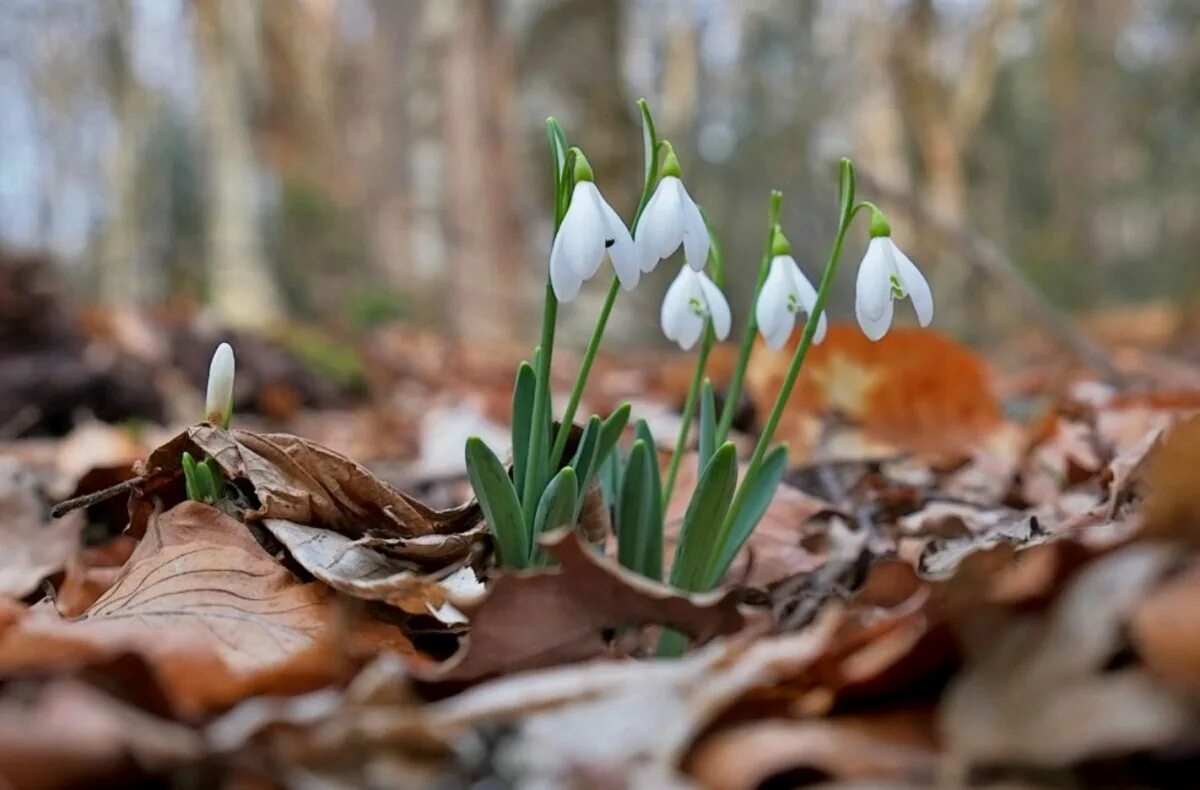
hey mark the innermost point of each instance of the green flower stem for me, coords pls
(585, 369)
(712, 573)
(534, 473)
(734, 391)
(689, 413)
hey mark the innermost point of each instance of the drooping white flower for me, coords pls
(691, 300)
(785, 294)
(218, 401)
(886, 274)
(589, 232)
(671, 218)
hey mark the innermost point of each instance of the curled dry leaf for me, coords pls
(71, 735)
(1173, 504)
(941, 556)
(1165, 628)
(1083, 709)
(30, 548)
(365, 573)
(603, 723)
(305, 483)
(213, 614)
(90, 573)
(892, 748)
(543, 618)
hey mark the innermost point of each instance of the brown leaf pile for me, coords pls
(1003, 604)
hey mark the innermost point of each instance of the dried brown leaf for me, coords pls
(30, 548)
(1173, 503)
(362, 572)
(71, 735)
(1165, 628)
(214, 615)
(542, 618)
(1059, 661)
(305, 483)
(894, 748)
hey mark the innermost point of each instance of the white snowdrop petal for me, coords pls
(581, 235)
(718, 307)
(565, 281)
(806, 295)
(622, 251)
(218, 402)
(592, 229)
(915, 285)
(873, 290)
(875, 327)
(665, 233)
(690, 331)
(675, 307)
(778, 339)
(646, 254)
(695, 232)
(822, 328)
(770, 311)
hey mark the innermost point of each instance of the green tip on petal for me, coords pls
(670, 165)
(583, 168)
(879, 224)
(780, 244)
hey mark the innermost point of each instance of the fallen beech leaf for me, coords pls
(1173, 503)
(368, 574)
(90, 573)
(212, 612)
(305, 483)
(916, 389)
(1165, 628)
(1067, 456)
(30, 548)
(894, 747)
(603, 723)
(941, 556)
(71, 735)
(543, 618)
(1082, 710)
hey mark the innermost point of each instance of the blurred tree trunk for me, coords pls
(121, 270)
(384, 135)
(478, 82)
(880, 141)
(943, 116)
(242, 289)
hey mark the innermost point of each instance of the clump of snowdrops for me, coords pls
(545, 488)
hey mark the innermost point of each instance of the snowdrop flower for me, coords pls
(590, 231)
(886, 274)
(671, 218)
(785, 294)
(690, 302)
(218, 403)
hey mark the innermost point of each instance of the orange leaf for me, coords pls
(916, 389)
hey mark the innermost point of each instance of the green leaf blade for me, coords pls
(639, 532)
(522, 421)
(703, 519)
(498, 499)
(761, 485)
(556, 508)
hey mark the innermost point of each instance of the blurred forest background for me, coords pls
(351, 162)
